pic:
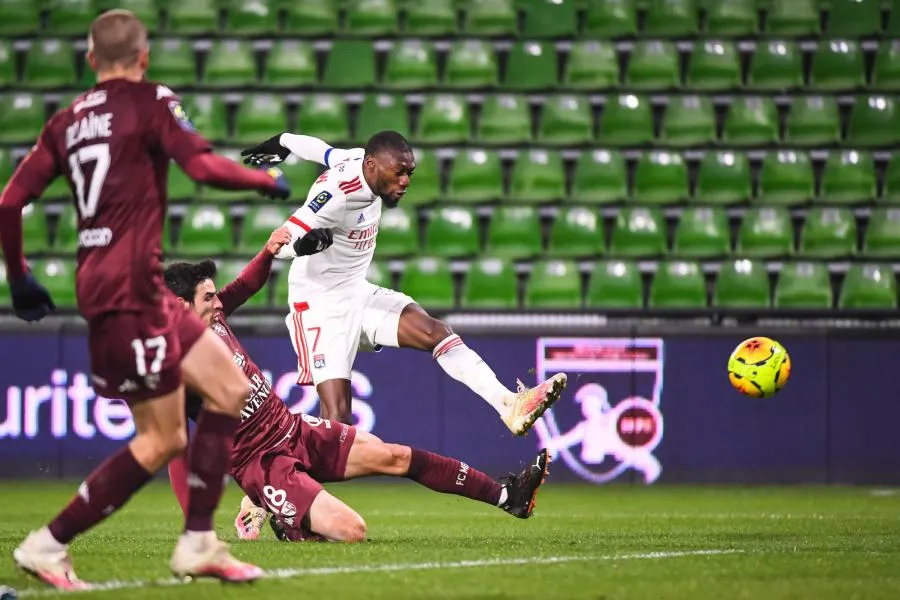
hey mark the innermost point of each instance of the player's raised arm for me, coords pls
(255, 275)
(324, 207)
(306, 147)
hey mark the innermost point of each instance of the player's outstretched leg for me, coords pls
(522, 489)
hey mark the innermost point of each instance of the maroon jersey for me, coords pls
(113, 144)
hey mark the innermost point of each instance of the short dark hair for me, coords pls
(387, 141)
(183, 278)
(117, 38)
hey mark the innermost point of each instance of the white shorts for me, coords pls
(328, 330)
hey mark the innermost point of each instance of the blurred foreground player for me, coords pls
(113, 144)
(280, 459)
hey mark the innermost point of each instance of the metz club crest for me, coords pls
(612, 422)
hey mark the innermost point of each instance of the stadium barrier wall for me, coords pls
(639, 409)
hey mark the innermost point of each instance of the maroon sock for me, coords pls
(451, 476)
(209, 461)
(105, 490)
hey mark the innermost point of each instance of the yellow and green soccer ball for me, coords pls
(759, 367)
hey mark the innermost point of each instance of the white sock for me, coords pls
(464, 365)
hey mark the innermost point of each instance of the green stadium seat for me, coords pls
(714, 65)
(380, 112)
(792, 18)
(804, 285)
(566, 120)
(653, 65)
(891, 193)
(444, 120)
(504, 119)
(431, 18)
(671, 18)
(174, 62)
(193, 17)
(476, 177)
(766, 232)
(212, 194)
(260, 116)
(282, 289)
(491, 283)
(5, 299)
(610, 19)
(206, 231)
(854, 18)
(49, 63)
(452, 232)
(35, 233)
(8, 75)
(869, 286)
(786, 178)
(742, 283)
(615, 284)
(69, 17)
(639, 232)
(554, 284)
(883, 233)
(398, 233)
(21, 118)
(702, 232)
(426, 182)
(470, 64)
(58, 190)
(209, 115)
(723, 178)
(627, 121)
(550, 19)
(828, 232)
(19, 17)
(600, 178)
(689, 121)
(538, 176)
(58, 276)
(259, 223)
(848, 178)
(731, 18)
(301, 174)
(751, 121)
(592, 65)
(490, 18)
(146, 10)
(677, 284)
(776, 66)
(371, 17)
(66, 235)
(514, 232)
(323, 116)
(291, 63)
(531, 66)
(893, 28)
(886, 73)
(410, 65)
(255, 17)
(312, 18)
(660, 178)
(7, 166)
(576, 232)
(230, 63)
(180, 186)
(350, 65)
(875, 121)
(838, 65)
(228, 271)
(379, 274)
(429, 281)
(813, 121)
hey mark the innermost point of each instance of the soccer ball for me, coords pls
(759, 367)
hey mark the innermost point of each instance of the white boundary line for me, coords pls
(289, 573)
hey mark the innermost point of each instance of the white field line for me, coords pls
(289, 573)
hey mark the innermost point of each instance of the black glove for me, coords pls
(313, 242)
(269, 152)
(31, 300)
(282, 187)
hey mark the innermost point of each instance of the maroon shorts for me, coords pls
(137, 356)
(287, 479)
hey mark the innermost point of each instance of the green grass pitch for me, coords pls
(610, 543)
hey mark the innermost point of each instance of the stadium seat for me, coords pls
(731, 18)
(470, 64)
(838, 65)
(639, 232)
(58, 276)
(514, 232)
(291, 63)
(804, 285)
(35, 233)
(444, 119)
(146, 10)
(854, 18)
(260, 116)
(723, 178)
(69, 17)
(538, 176)
(490, 18)
(886, 72)
(671, 18)
(610, 19)
(49, 64)
(531, 66)
(576, 232)
(566, 121)
(19, 17)
(550, 19)
(282, 289)
(615, 284)
(180, 186)
(451, 232)
(504, 119)
(677, 284)
(301, 174)
(553, 284)
(371, 18)
(428, 280)
(714, 66)
(592, 65)
(209, 116)
(65, 238)
(212, 194)
(869, 286)
(653, 65)
(173, 62)
(311, 18)
(828, 232)
(21, 118)
(766, 232)
(790, 18)
(192, 17)
(786, 178)
(259, 223)
(230, 63)
(883, 233)
(776, 66)
(491, 283)
(379, 274)
(600, 178)
(410, 65)
(7, 166)
(702, 232)
(751, 121)
(425, 187)
(891, 192)
(206, 231)
(254, 17)
(58, 190)
(380, 112)
(627, 121)
(660, 178)
(742, 283)
(323, 116)
(8, 75)
(476, 177)
(229, 270)
(848, 178)
(350, 64)
(430, 18)
(398, 233)
(689, 121)
(894, 23)
(813, 121)
(875, 121)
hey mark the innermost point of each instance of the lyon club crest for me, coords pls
(611, 421)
